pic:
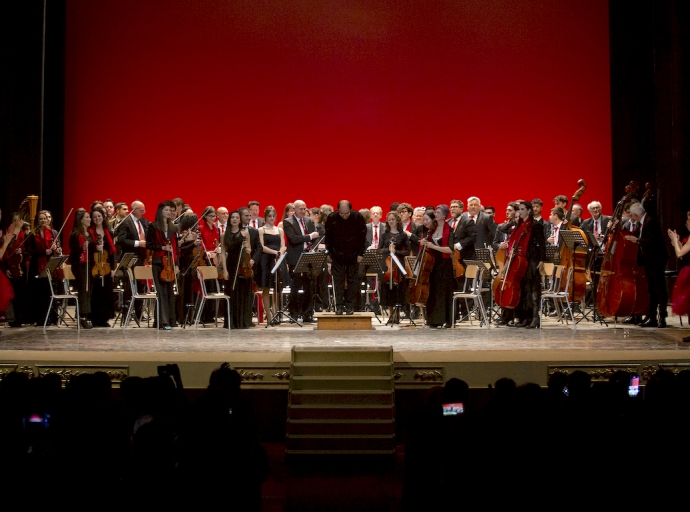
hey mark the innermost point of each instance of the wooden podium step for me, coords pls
(354, 322)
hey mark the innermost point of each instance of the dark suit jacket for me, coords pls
(370, 232)
(259, 222)
(651, 251)
(587, 226)
(255, 244)
(346, 238)
(126, 235)
(466, 235)
(295, 238)
(415, 237)
(486, 229)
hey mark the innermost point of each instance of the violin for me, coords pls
(167, 274)
(392, 274)
(458, 265)
(14, 261)
(101, 266)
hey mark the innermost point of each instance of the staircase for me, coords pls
(341, 401)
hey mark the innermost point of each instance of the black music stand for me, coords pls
(551, 253)
(371, 259)
(278, 317)
(310, 263)
(397, 307)
(127, 262)
(484, 256)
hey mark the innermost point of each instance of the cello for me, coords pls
(622, 282)
(418, 289)
(577, 257)
(506, 286)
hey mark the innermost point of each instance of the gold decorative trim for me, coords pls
(418, 376)
(397, 375)
(7, 368)
(433, 375)
(598, 372)
(281, 375)
(250, 375)
(67, 372)
(649, 370)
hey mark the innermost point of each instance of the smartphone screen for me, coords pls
(453, 409)
(634, 387)
(38, 420)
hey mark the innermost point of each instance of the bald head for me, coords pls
(138, 209)
(300, 208)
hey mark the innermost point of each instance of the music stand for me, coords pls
(551, 252)
(484, 257)
(127, 262)
(572, 239)
(310, 263)
(397, 307)
(371, 259)
(278, 317)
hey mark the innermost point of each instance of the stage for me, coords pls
(423, 356)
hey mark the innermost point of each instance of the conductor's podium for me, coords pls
(333, 322)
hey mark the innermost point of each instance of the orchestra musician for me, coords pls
(256, 222)
(254, 242)
(440, 240)
(500, 243)
(234, 245)
(576, 216)
(102, 300)
(533, 247)
(273, 246)
(161, 240)
(346, 242)
(596, 228)
(394, 241)
(109, 207)
(485, 226)
(300, 233)
(121, 212)
(42, 245)
(81, 247)
(681, 290)
(131, 237)
(13, 248)
(556, 224)
(405, 211)
(652, 254)
(187, 281)
(222, 221)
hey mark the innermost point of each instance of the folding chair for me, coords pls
(210, 273)
(472, 291)
(140, 273)
(64, 298)
(559, 294)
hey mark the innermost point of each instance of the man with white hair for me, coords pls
(486, 227)
(652, 254)
(596, 227)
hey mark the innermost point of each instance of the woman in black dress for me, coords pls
(102, 301)
(394, 240)
(81, 247)
(237, 287)
(273, 244)
(438, 306)
(42, 245)
(161, 240)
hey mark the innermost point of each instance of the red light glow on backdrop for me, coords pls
(220, 102)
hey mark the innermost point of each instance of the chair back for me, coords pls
(207, 273)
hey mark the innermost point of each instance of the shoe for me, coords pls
(447, 326)
(338, 310)
(631, 320)
(166, 328)
(553, 313)
(650, 322)
(511, 324)
(662, 323)
(85, 324)
(522, 324)
(309, 319)
(534, 324)
(350, 311)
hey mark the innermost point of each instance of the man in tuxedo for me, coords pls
(652, 254)
(595, 228)
(537, 207)
(221, 223)
(576, 216)
(131, 237)
(256, 222)
(556, 223)
(456, 209)
(346, 241)
(375, 230)
(485, 226)
(300, 232)
(254, 241)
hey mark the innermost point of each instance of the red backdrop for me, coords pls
(220, 102)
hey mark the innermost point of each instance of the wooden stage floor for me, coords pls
(493, 352)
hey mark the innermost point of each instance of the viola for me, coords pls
(392, 273)
(14, 261)
(101, 266)
(418, 290)
(622, 287)
(167, 274)
(245, 268)
(458, 264)
(506, 286)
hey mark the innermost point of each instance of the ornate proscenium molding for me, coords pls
(598, 372)
(649, 370)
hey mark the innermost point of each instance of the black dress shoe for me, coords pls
(650, 322)
(166, 328)
(338, 310)
(662, 323)
(534, 324)
(85, 324)
(350, 311)
(522, 324)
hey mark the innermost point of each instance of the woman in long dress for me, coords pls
(237, 287)
(438, 306)
(273, 244)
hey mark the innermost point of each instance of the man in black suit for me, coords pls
(346, 235)
(255, 221)
(485, 225)
(131, 237)
(300, 232)
(464, 237)
(254, 241)
(537, 207)
(456, 209)
(652, 254)
(595, 228)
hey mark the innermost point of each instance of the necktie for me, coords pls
(222, 229)
(254, 223)
(555, 235)
(304, 230)
(471, 217)
(141, 231)
(455, 221)
(376, 237)
(596, 229)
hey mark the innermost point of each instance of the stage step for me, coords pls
(343, 427)
(341, 400)
(333, 322)
(340, 397)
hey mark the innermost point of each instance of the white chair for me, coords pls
(210, 273)
(472, 291)
(559, 294)
(140, 273)
(64, 298)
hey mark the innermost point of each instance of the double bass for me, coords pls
(622, 287)
(575, 258)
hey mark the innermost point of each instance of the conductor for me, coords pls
(346, 241)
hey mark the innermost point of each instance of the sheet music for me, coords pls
(277, 265)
